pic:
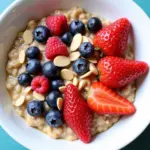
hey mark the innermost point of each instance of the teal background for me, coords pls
(141, 143)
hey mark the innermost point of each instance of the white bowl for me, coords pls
(128, 128)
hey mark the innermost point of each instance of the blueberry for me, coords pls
(67, 38)
(54, 118)
(81, 66)
(94, 24)
(33, 52)
(35, 108)
(50, 70)
(24, 79)
(55, 84)
(33, 66)
(41, 34)
(86, 49)
(51, 98)
(77, 26)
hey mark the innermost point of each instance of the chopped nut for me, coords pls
(61, 61)
(32, 24)
(20, 101)
(77, 39)
(83, 83)
(74, 56)
(28, 36)
(75, 81)
(38, 96)
(59, 103)
(62, 88)
(22, 56)
(27, 89)
(86, 74)
(93, 69)
(67, 74)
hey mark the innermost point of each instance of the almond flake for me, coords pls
(62, 88)
(22, 56)
(75, 81)
(92, 60)
(83, 83)
(93, 69)
(59, 103)
(74, 56)
(27, 89)
(85, 39)
(86, 74)
(38, 96)
(76, 42)
(28, 36)
(61, 61)
(68, 82)
(20, 101)
(67, 74)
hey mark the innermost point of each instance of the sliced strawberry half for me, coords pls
(103, 100)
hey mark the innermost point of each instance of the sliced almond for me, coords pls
(90, 40)
(85, 39)
(77, 39)
(38, 96)
(83, 83)
(62, 88)
(67, 74)
(74, 56)
(61, 61)
(20, 101)
(28, 36)
(86, 74)
(59, 103)
(22, 56)
(27, 89)
(68, 82)
(42, 47)
(92, 60)
(75, 81)
(93, 69)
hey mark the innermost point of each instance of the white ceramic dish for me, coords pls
(127, 129)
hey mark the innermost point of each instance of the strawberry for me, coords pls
(77, 114)
(117, 72)
(57, 24)
(40, 84)
(55, 47)
(103, 100)
(112, 40)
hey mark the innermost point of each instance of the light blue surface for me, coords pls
(142, 142)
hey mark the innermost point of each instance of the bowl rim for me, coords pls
(12, 134)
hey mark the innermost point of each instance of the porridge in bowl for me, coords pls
(61, 71)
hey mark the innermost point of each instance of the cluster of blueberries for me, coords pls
(52, 72)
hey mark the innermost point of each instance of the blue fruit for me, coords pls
(67, 38)
(86, 49)
(33, 52)
(52, 97)
(41, 34)
(94, 24)
(50, 70)
(35, 108)
(33, 66)
(55, 84)
(54, 118)
(77, 26)
(24, 79)
(81, 66)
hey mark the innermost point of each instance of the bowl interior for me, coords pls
(16, 17)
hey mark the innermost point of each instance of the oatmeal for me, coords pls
(18, 64)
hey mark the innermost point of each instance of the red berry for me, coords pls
(55, 47)
(77, 114)
(40, 84)
(117, 72)
(57, 24)
(103, 100)
(113, 39)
